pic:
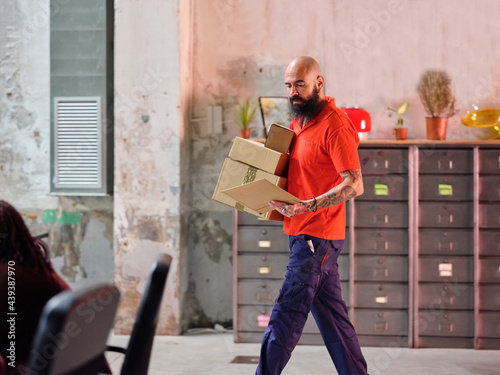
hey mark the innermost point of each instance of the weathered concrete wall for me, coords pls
(148, 139)
(80, 229)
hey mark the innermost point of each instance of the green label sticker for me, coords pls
(381, 189)
(445, 189)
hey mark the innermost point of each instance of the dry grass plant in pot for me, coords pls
(400, 131)
(434, 90)
(245, 113)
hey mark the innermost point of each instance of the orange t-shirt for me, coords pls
(327, 145)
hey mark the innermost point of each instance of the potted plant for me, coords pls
(245, 114)
(434, 90)
(399, 130)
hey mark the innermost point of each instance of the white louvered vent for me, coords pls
(77, 142)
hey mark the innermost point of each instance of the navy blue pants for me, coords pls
(311, 283)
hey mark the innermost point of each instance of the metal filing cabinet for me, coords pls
(488, 306)
(445, 264)
(261, 256)
(421, 261)
(380, 249)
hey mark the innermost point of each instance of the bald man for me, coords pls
(324, 172)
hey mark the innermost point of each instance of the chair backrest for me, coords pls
(73, 330)
(138, 352)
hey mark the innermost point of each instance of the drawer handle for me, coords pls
(445, 327)
(445, 219)
(263, 231)
(381, 219)
(443, 164)
(381, 327)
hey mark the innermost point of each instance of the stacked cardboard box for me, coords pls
(250, 161)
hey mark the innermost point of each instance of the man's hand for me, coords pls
(291, 210)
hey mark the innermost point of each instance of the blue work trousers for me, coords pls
(311, 283)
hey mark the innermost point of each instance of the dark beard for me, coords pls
(306, 107)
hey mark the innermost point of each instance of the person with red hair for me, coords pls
(27, 282)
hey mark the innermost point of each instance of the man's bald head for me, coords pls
(306, 65)
(304, 82)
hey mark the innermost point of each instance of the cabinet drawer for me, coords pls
(446, 242)
(383, 296)
(489, 215)
(385, 188)
(446, 296)
(489, 161)
(383, 161)
(445, 324)
(343, 262)
(262, 239)
(489, 325)
(245, 218)
(489, 297)
(449, 215)
(446, 269)
(489, 270)
(445, 161)
(489, 242)
(258, 292)
(260, 266)
(381, 241)
(381, 268)
(381, 322)
(489, 188)
(256, 319)
(381, 214)
(446, 188)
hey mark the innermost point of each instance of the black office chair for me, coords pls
(73, 331)
(138, 351)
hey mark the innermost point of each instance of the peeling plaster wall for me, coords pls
(80, 229)
(372, 54)
(148, 139)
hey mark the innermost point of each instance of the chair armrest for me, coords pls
(117, 349)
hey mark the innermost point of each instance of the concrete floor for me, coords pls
(207, 352)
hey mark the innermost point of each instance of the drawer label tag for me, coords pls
(381, 189)
(264, 270)
(445, 269)
(381, 299)
(263, 320)
(264, 243)
(445, 189)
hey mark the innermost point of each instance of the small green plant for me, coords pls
(245, 113)
(400, 111)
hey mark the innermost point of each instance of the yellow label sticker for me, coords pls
(381, 189)
(445, 189)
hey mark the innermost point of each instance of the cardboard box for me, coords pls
(279, 138)
(256, 195)
(234, 174)
(255, 154)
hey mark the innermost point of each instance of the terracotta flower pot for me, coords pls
(401, 133)
(245, 133)
(436, 128)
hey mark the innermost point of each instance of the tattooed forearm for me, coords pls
(332, 198)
